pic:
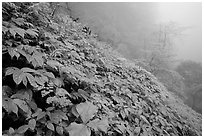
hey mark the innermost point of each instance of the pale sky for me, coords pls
(187, 14)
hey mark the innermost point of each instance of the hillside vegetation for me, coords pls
(58, 79)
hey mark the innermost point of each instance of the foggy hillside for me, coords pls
(127, 25)
(67, 71)
(158, 36)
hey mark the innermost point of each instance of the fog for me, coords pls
(126, 25)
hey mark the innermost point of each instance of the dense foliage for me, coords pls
(59, 80)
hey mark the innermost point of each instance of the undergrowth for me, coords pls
(59, 80)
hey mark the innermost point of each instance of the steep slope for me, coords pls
(58, 79)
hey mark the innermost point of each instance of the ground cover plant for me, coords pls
(58, 79)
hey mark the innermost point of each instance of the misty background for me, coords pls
(126, 25)
(164, 38)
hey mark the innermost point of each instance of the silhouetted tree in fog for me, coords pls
(158, 47)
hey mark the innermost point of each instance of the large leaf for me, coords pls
(13, 52)
(18, 76)
(18, 21)
(32, 32)
(54, 64)
(31, 79)
(40, 115)
(74, 111)
(37, 112)
(59, 130)
(137, 130)
(97, 124)
(21, 104)
(4, 29)
(86, 111)
(50, 126)
(32, 105)
(56, 119)
(22, 129)
(62, 92)
(75, 129)
(57, 116)
(9, 105)
(11, 130)
(25, 81)
(37, 59)
(40, 80)
(22, 52)
(32, 124)
(58, 82)
(46, 74)
(20, 31)
(10, 70)
(25, 69)
(24, 94)
(6, 90)
(61, 114)
(144, 119)
(17, 30)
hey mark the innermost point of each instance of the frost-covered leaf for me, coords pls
(74, 111)
(12, 31)
(18, 76)
(9, 105)
(58, 82)
(40, 115)
(22, 129)
(83, 93)
(86, 111)
(32, 32)
(54, 64)
(50, 126)
(25, 81)
(137, 130)
(32, 105)
(44, 93)
(32, 124)
(62, 92)
(61, 114)
(22, 52)
(4, 29)
(50, 108)
(6, 90)
(97, 124)
(10, 70)
(17, 30)
(31, 80)
(59, 130)
(40, 80)
(37, 112)
(18, 21)
(11, 130)
(144, 119)
(46, 74)
(25, 69)
(121, 128)
(55, 118)
(54, 26)
(39, 60)
(21, 104)
(13, 52)
(75, 129)
(24, 94)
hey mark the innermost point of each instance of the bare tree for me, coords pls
(158, 47)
